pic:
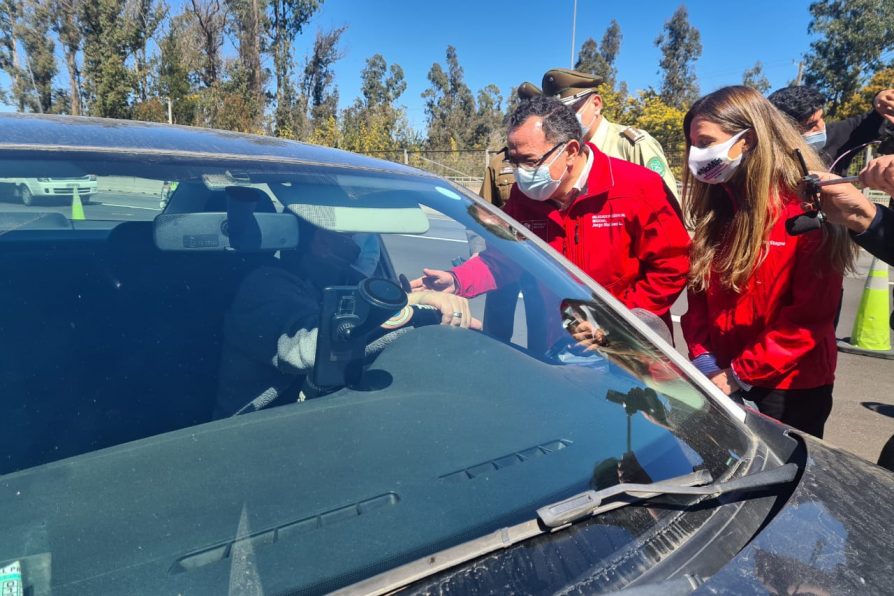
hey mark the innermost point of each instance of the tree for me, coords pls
(317, 84)
(174, 73)
(489, 130)
(143, 18)
(287, 19)
(589, 59)
(664, 122)
(852, 37)
(40, 61)
(381, 86)
(374, 123)
(65, 24)
(680, 45)
(210, 19)
(754, 77)
(247, 22)
(11, 13)
(449, 105)
(601, 61)
(861, 101)
(108, 41)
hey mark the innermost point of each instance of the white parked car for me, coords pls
(37, 190)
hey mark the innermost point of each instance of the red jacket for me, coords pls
(623, 231)
(778, 333)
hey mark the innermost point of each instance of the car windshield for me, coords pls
(145, 301)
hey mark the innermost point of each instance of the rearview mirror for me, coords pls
(214, 232)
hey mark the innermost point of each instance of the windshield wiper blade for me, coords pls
(562, 514)
(594, 502)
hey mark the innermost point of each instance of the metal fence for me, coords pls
(466, 166)
(462, 166)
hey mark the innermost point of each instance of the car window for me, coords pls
(117, 349)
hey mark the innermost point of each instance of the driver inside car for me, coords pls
(270, 330)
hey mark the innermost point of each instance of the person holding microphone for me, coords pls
(871, 226)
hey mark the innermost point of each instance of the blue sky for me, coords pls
(506, 42)
(509, 41)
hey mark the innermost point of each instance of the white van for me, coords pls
(33, 190)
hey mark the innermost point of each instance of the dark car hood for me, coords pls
(349, 477)
(832, 537)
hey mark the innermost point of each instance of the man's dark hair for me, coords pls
(559, 122)
(798, 103)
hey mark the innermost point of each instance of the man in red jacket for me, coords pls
(615, 220)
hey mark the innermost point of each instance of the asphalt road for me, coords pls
(863, 413)
(101, 205)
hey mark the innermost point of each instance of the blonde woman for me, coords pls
(761, 303)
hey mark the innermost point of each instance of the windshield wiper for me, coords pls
(562, 514)
(594, 502)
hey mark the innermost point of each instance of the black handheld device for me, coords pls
(349, 315)
(809, 188)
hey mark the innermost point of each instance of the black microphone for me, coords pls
(806, 222)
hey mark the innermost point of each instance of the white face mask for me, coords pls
(585, 128)
(713, 165)
(538, 184)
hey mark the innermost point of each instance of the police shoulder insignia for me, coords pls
(656, 165)
(633, 135)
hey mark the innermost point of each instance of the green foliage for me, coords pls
(601, 60)
(65, 24)
(173, 77)
(40, 58)
(286, 19)
(663, 121)
(860, 101)
(108, 82)
(454, 119)
(852, 36)
(11, 15)
(318, 84)
(680, 45)
(754, 77)
(151, 110)
(375, 123)
(616, 105)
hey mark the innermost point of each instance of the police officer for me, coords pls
(498, 177)
(578, 90)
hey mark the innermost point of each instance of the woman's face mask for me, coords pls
(538, 183)
(713, 165)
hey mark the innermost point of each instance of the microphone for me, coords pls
(806, 222)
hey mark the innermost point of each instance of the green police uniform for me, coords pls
(616, 140)
(636, 146)
(499, 177)
(498, 180)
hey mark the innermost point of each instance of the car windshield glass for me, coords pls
(200, 376)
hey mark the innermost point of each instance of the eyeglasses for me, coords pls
(531, 164)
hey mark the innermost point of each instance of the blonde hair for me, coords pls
(731, 241)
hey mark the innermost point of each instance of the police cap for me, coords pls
(568, 85)
(528, 90)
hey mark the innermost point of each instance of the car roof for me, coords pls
(33, 132)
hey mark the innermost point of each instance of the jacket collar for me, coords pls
(601, 177)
